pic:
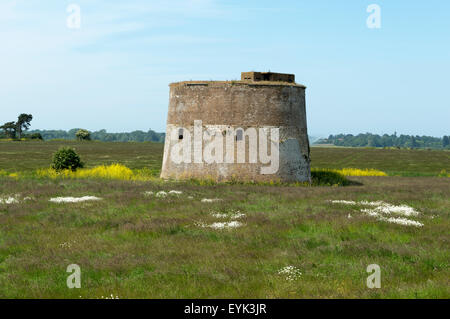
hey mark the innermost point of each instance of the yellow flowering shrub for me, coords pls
(358, 172)
(14, 175)
(444, 173)
(113, 171)
(5, 173)
(361, 172)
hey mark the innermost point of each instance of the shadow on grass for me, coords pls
(329, 178)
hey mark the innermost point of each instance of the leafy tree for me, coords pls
(414, 142)
(36, 136)
(9, 128)
(23, 123)
(445, 141)
(83, 135)
(66, 158)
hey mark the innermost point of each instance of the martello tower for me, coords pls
(270, 104)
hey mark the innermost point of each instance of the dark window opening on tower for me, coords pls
(239, 135)
(180, 134)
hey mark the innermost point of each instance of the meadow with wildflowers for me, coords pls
(136, 236)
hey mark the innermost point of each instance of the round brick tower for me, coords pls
(249, 130)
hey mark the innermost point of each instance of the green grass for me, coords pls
(137, 246)
(397, 162)
(27, 156)
(328, 178)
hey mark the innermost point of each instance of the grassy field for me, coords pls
(134, 245)
(31, 155)
(397, 162)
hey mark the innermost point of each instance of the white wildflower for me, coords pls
(14, 199)
(219, 215)
(380, 209)
(111, 297)
(394, 209)
(161, 194)
(237, 215)
(292, 273)
(73, 199)
(377, 203)
(9, 200)
(347, 202)
(402, 221)
(370, 212)
(67, 244)
(210, 200)
(200, 224)
(231, 214)
(224, 225)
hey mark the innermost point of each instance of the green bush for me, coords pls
(328, 178)
(36, 136)
(66, 158)
(83, 135)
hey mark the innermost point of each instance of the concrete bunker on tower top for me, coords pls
(267, 76)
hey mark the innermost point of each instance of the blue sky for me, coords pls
(113, 72)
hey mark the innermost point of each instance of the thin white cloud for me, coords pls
(40, 29)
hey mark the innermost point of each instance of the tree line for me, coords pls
(18, 130)
(101, 135)
(375, 140)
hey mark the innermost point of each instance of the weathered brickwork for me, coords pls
(230, 105)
